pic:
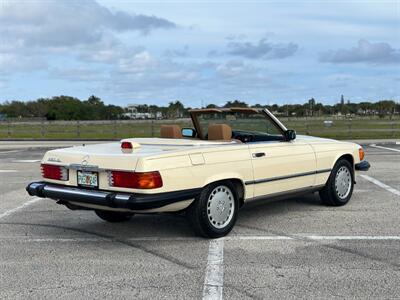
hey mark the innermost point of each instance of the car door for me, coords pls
(282, 166)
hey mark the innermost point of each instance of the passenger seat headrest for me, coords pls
(171, 132)
(221, 132)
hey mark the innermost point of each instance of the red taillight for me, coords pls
(126, 145)
(135, 180)
(54, 172)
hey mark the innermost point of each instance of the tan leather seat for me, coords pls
(220, 132)
(171, 132)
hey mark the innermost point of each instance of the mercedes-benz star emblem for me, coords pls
(85, 160)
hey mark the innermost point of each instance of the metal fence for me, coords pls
(337, 128)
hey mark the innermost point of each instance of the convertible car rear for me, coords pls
(229, 157)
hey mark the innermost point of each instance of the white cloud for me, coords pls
(83, 45)
(34, 34)
(171, 53)
(364, 52)
(140, 62)
(263, 49)
(340, 80)
(65, 23)
(79, 74)
(13, 63)
(3, 83)
(233, 68)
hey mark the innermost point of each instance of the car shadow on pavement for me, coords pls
(173, 225)
(271, 206)
(145, 225)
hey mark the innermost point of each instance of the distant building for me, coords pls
(134, 114)
(132, 107)
(3, 117)
(142, 116)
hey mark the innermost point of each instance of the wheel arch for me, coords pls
(350, 158)
(237, 182)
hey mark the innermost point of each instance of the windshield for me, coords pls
(250, 123)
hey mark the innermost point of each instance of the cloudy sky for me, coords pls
(200, 52)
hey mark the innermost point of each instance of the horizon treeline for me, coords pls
(71, 108)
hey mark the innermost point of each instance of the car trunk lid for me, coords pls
(112, 156)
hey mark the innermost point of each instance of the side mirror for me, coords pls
(290, 135)
(189, 132)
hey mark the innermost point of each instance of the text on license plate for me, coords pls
(88, 178)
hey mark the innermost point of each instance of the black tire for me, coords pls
(330, 194)
(113, 216)
(198, 211)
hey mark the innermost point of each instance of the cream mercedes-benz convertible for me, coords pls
(229, 157)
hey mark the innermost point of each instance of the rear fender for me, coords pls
(226, 176)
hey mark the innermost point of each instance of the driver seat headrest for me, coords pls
(220, 132)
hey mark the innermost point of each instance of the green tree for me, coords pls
(343, 107)
(236, 103)
(175, 110)
(311, 106)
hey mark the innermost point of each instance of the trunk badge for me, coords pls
(54, 159)
(85, 161)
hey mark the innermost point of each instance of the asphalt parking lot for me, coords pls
(295, 248)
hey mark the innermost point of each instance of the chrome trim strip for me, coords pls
(122, 197)
(275, 119)
(264, 180)
(74, 191)
(89, 168)
(323, 171)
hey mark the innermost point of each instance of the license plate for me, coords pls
(88, 179)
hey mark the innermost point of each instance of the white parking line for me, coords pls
(10, 151)
(381, 184)
(212, 259)
(50, 240)
(8, 171)
(214, 278)
(11, 211)
(385, 148)
(317, 237)
(26, 161)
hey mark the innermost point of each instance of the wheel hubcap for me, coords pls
(220, 206)
(343, 182)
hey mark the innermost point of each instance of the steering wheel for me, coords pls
(243, 137)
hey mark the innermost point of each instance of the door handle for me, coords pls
(258, 154)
